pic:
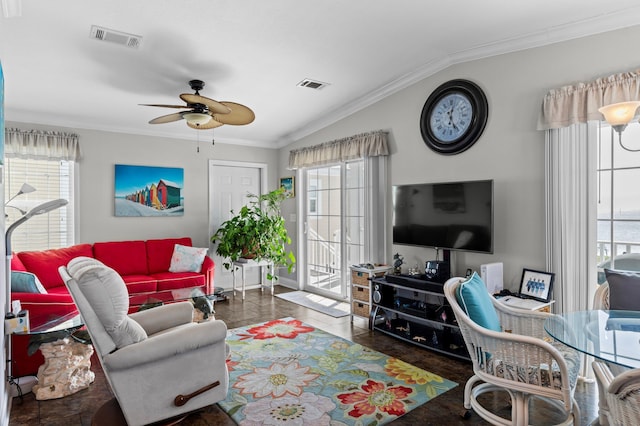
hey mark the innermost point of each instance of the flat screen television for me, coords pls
(451, 215)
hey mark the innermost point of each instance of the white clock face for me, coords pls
(451, 117)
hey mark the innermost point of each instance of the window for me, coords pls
(312, 195)
(52, 179)
(618, 199)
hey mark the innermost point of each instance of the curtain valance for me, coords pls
(579, 103)
(372, 144)
(41, 145)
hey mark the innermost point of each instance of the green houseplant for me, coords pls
(257, 232)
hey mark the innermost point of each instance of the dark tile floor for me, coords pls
(78, 409)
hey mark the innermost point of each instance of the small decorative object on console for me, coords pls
(398, 260)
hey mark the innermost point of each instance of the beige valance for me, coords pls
(579, 103)
(372, 144)
(41, 145)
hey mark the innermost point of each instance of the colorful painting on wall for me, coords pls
(148, 191)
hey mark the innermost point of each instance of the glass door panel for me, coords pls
(334, 226)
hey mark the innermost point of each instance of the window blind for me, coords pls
(52, 179)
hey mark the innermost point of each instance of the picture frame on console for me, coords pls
(536, 285)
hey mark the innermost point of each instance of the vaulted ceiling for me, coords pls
(256, 52)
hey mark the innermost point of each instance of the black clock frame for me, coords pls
(478, 122)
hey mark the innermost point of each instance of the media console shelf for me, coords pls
(413, 309)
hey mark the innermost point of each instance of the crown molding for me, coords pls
(579, 29)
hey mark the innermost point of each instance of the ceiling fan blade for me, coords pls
(239, 115)
(211, 124)
(167, 118)
(214, 106)
(165, 106)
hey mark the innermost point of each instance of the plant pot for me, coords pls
(246, 254)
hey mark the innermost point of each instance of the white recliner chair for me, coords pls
(158, 362)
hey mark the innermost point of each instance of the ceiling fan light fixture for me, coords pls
(196, 118)
(620, 114)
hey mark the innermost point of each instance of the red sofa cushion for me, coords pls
(139, 283)
(174, 280)
(45, 263)
(125, 257)
(159, 253)
(16, 264)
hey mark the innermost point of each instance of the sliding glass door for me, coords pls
(334, 226)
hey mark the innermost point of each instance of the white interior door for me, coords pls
(229, 184)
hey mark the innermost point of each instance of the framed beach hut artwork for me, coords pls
(148, 191)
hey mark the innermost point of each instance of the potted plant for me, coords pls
(256, 232)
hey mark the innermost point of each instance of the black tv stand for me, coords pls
(414, 309)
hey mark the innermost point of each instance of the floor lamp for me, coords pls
(24, 189)
(45, 207)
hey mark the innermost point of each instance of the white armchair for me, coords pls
(519, 359)
(622, 394)
(158, 362)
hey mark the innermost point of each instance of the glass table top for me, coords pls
(72, 320)
(612, 336)
(68, 322)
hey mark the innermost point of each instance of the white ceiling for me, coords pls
(255, 52)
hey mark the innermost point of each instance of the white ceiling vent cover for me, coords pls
(118, 37)
(312, 84)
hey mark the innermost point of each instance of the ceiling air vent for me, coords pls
(312, 84)
(118, 37)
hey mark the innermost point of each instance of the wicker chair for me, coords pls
(516, 360)
(622, 393)
(601, 297)
(601, 301)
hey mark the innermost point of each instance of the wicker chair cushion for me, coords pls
(474, 298)
(530, 374)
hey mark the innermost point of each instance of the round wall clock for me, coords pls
(454, 117)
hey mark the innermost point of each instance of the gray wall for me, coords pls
(510, 151)
(102, 150)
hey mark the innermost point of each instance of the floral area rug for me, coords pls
(287, 372)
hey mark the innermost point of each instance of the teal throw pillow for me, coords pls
(26, 282)
(474, 298)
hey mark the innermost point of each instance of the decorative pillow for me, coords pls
(107, 294)
(187, 259)
(26, 282)
(474, 298)
(624, 290)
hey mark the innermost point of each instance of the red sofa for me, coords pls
(143, 265)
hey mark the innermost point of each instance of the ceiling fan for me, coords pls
(205, 113)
